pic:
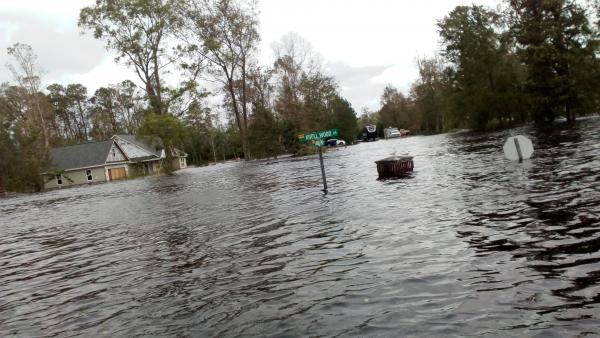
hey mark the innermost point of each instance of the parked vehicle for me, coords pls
(391, 132)
(335, 143)
(369, 132)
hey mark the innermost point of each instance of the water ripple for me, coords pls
(468, 245)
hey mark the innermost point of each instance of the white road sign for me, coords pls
(518, 148)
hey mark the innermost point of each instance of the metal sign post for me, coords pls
(323, 170)
(317, 139)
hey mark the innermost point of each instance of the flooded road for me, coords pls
(471, 244)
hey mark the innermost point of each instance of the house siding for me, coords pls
(179, 163)
(153, 167)
(76, 176)
(115, 154)
(144, 168)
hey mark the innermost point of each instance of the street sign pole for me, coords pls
(323, 170)
(317, 139)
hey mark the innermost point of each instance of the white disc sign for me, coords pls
(518, 148)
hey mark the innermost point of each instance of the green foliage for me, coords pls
(486, 80)
(22, 152)
(430, 94)
(536, 60)
(556, 42)
(205, 141)
(265, 134)
(71, 111)
(344, 118)
(139, 31)
(289, 132)
(166, 126)
(116, 109)
(169, 129)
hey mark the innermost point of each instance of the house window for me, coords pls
(114, 153)
(88, 174)
(59, 179)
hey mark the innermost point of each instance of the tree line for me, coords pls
(526, 61)
(211, 48)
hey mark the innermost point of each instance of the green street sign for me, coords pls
(317, 135)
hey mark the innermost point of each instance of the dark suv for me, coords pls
(369, 132)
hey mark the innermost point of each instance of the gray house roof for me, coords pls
(152, 145)
(80, 155)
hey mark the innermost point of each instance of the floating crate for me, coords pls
(394, 166)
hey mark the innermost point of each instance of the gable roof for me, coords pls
(153, 145)
(80, 155)
(179, 153)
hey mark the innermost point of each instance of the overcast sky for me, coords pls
(365, 44)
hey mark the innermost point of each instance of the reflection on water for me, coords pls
(471, 244)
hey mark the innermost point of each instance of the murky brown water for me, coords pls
(471, 244)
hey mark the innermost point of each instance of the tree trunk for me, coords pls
(159, 102)
(83, 122)
(244, 107)
(212, 144)
(238, 119)
(42, 121)
(154, 104)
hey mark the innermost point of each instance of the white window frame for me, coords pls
(59, 180)
(89, 176)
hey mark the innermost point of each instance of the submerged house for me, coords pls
(146, 154)
(85, 163)
(117, 158)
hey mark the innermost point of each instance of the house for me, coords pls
(86, 163)
(117, 158)
(146, 153)
(179, 160)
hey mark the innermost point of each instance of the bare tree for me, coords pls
(294, 47)
(224, 33)
(28, 75)
(295, 61)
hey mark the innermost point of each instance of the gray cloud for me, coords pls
(61, 52)
(358, 85)
(65, 55)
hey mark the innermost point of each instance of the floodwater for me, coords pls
(470, 244)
